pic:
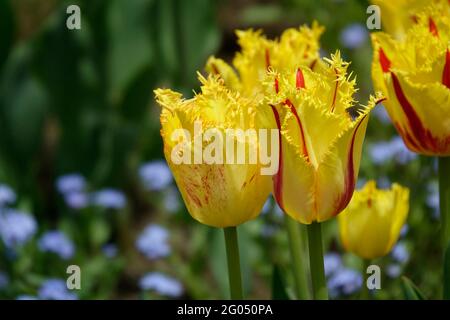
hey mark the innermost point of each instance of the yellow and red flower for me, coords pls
(320, 141)
(399, 16)
(218, 194)
(414, 76)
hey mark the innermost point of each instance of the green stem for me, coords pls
(297, 257)
(234, 265)
(444, 204)
(319, 285)
(444, 199)
(365, 290)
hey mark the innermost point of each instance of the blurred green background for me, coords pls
(80, 103)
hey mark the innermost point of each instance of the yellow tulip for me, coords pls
(296, 47)
(371, 224)
(399, 16)
(216, 194)
(320, 142)
(414, 75)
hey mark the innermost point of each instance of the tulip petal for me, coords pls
(294, 180)
(338, 171)
(225, 71)
(426, 108)
(371, 224)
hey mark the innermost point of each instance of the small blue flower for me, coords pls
(332, 263)
(171, 200)
(58, 243)
(432, 199)
(394, 149)
(382, 115)
(155, 175)
(383, 182)
(26, 297)
(278, 211)
(153, 242)
(267, 206)
(7, 195)
(162, 284)
(345, 282)
(109, 199)
(16, 227)
(76, 200)
(354, 36)
(400, 253)
(4, 280)
(73, 182)
(55, 289)
(268, 230)
(360, 183)
(110, 250)
(394, 270)
(404, 231)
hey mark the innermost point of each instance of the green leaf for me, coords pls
(278, 286)
(410, 290)
(131, 48)
(447, 273)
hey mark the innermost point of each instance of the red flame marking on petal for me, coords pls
(302, 134)
(421, 135)
(278, 177)
(349, 184)
(433, 28)
(277, 85)
(446, 73)
(299, 79)
(384, 61)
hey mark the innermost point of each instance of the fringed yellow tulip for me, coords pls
(296, 47)
(320, 142)
(216, 194)
(370, 225)
(399, 16)
(414, 75)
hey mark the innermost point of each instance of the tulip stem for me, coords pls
(319, 285)
(444, 199)
(444, 205)
(234, 265)
(297, 258)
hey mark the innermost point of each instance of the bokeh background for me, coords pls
(82, 175)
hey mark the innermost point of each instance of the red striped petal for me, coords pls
(302, 134)
(278, 177)
(384, 61)
(299, 79)
(350, 180)
(433, 28)
(446, 73)
(422, 135)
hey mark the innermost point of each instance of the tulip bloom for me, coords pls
(414, 75)
(399, 16)
(215, 194)
(258, 54)
(320, 142)
(371, 224)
